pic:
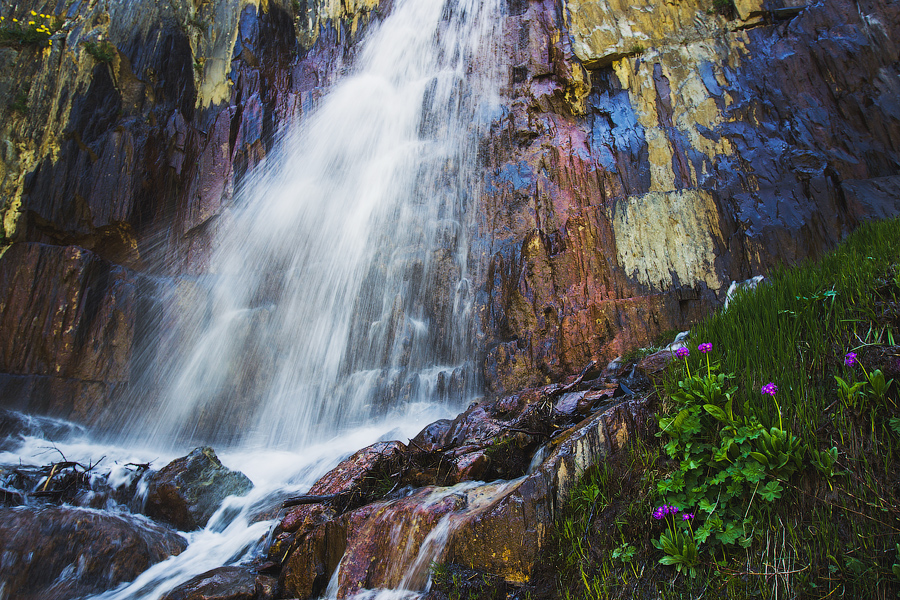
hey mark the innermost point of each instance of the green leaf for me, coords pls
(771, 491)
(731, 534)
(762, 458)
(753, 472)
(716, 413)
(895, 424)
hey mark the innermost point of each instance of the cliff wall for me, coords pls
(648, 154)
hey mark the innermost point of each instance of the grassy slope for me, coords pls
(825, 537)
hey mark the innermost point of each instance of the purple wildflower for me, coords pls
(850, 359)
(770, 389)
(704, 348)
(682, 352)
(662, 511)
(687, 516)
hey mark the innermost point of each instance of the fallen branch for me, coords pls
(309, 499)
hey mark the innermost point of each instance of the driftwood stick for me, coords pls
(309, 499)
(578, 380)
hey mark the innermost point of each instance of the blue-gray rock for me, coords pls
(186, 492)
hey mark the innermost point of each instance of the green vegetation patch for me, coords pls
(774, 470)
(36, 29)
(102, 52)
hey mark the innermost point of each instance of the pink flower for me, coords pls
(682, 352)
(770, 389)
(704, 348)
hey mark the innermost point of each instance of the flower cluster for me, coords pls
(662, 511)
(770, 389)
(682, 352)
(38, 30)
(850, 359)
(687, 516)
(704, 348)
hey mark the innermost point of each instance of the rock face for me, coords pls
(61, 553)
(653, 152)
(186, 492)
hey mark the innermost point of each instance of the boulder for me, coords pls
(358, 479)
(654, 365)
(186, 492)
(226, 583)
(359, 541)
(63, 552)
(504, 535)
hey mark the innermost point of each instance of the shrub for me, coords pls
(103, 52)
(35, 31)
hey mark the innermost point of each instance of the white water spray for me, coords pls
(338, 287)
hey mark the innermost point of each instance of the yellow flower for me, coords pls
(34, 13)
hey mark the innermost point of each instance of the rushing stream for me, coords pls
(336, 309)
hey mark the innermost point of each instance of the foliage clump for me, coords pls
(36, 29)
(103, 52)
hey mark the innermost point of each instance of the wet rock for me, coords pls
(61, 553)
(311, 558)
(397, 529)
(471, 466)
(359, 541)
(358, 479)
(505, 535)
(312, 537)
(433, 437)
(498, 528)
(226, 583)
(186, 492)
(65, 315)
(653, 365)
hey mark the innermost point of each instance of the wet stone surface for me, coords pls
(59, 553)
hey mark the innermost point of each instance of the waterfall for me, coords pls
(336, 309)
(338, 290)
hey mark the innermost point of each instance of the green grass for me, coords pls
(825, 537)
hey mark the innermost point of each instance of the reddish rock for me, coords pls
(433, 437)
(396, 529)
(355, 478)
(505, 535)
(62, 553)
(67, 322)
(653, 365)
(186, 492)
(65, 313)
(471, 466)
(226, 583)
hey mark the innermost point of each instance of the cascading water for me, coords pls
(336, 310)
(338, 290)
